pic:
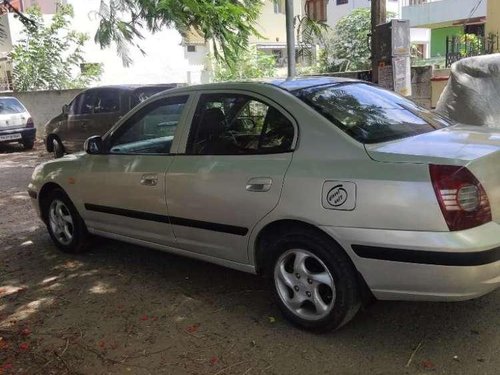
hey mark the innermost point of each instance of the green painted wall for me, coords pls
(438, 39)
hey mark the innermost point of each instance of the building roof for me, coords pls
(193, 37)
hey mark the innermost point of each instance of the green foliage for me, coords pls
(470, 45)
(309, 33)
(347, 48)
(251, 64)
(228, 23)
(49, 54)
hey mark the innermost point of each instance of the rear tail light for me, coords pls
(461, 196)
(30, 123)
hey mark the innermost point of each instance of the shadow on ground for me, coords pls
(121, 307)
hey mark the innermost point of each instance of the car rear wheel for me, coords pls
(57, 148)
(65, 226)
(314, 282)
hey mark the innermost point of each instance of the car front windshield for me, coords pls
(371, 114)
(10, 106)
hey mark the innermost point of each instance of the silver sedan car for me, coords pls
(333, 189)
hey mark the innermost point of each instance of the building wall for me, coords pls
(438, 39)
(493, 17)
(443, 12)
(271, 25)
(47, 6)
(422, 36)
(336, 12)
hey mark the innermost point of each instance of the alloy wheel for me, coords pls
(61, 222)
(304, 284)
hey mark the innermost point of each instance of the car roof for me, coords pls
(133, 87)
(300, 83)
(289, 85)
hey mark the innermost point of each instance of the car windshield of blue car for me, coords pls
(369, 113)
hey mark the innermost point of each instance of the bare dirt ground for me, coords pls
(122, 309)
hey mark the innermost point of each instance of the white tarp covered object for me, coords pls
(472, 95)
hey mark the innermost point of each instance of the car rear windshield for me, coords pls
(144, 93)
(371, 114)
(10, 106)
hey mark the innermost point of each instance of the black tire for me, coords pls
(28, 145)
(57, 148)
(80, 236)
(346, 294)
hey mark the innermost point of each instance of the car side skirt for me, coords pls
(169, 249)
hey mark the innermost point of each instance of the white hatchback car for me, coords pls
(333, 188)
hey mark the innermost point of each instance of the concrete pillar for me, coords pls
(493, 18)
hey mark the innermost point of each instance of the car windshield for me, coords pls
(371, 114)
(10, 106)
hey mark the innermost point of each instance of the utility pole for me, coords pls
(379, 15)
(290, 39)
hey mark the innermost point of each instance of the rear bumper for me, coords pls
(27, 134)
(431, 266)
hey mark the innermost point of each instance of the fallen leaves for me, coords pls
(214, 360)
(427, 364)
(25, 332)
(193, 328)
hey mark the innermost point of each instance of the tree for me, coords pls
(50, 56)
(227, 23)
(348, 47)
(251, 64)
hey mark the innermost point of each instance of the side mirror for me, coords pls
(94, 145)
(65, 109)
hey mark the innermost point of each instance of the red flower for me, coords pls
(24, 346)
(214, 360)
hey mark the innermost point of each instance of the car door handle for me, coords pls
(259, 184)
(149, 180)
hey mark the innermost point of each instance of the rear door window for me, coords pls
(106, 101)
(234, 124)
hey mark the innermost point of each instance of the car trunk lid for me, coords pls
(11, 121)
(476, 147)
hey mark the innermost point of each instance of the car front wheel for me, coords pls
(65, 226)
(315, 283)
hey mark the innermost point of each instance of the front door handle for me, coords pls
(259, 184)
(149, 180)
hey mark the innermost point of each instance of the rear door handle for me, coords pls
(149, 180)
(259, 184)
